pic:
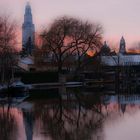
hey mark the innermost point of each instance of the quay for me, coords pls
(42, 86)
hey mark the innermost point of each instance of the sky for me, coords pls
(118, 17)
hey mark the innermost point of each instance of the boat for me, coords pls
(14, 93)
(17, 88)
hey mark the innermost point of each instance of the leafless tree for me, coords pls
(7, 47)
(70, 38)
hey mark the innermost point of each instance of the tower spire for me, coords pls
(28, 13)
(28, 3)
(122, 48)
(28, 29)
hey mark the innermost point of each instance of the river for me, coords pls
(72, 114)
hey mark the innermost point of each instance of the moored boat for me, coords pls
(18, 88)
(15, 92)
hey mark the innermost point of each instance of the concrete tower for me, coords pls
(28, 30)
(122, 49)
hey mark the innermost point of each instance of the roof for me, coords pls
(27, 61)
(131, 54)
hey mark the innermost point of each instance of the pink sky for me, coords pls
(118, 17)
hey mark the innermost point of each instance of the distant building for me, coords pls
(122, 58)
(28, 30)
(122, 48)
(27, 64)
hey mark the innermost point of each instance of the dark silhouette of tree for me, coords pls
(105, 50)
(71, 39)
(7, 47)
(27, 49)
(29, 46)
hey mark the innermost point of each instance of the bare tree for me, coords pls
(70, 38)
(7, 47)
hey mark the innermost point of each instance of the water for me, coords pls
(72, 114)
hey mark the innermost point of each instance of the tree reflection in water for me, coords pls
(71, 117)
(8, 124)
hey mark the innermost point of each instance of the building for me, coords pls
(122, 58)
(27, 64)
(122, 49)
(28, 30)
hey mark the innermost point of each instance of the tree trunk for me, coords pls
(60, 66)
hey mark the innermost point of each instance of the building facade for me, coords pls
(28, 30)
(122, 58)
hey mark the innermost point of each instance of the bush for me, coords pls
(37, 77)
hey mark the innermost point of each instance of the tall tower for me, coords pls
(122, 49)
(28, 30)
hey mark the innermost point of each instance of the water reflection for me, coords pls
(74, 114)
(28, 119)
(8, 124)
